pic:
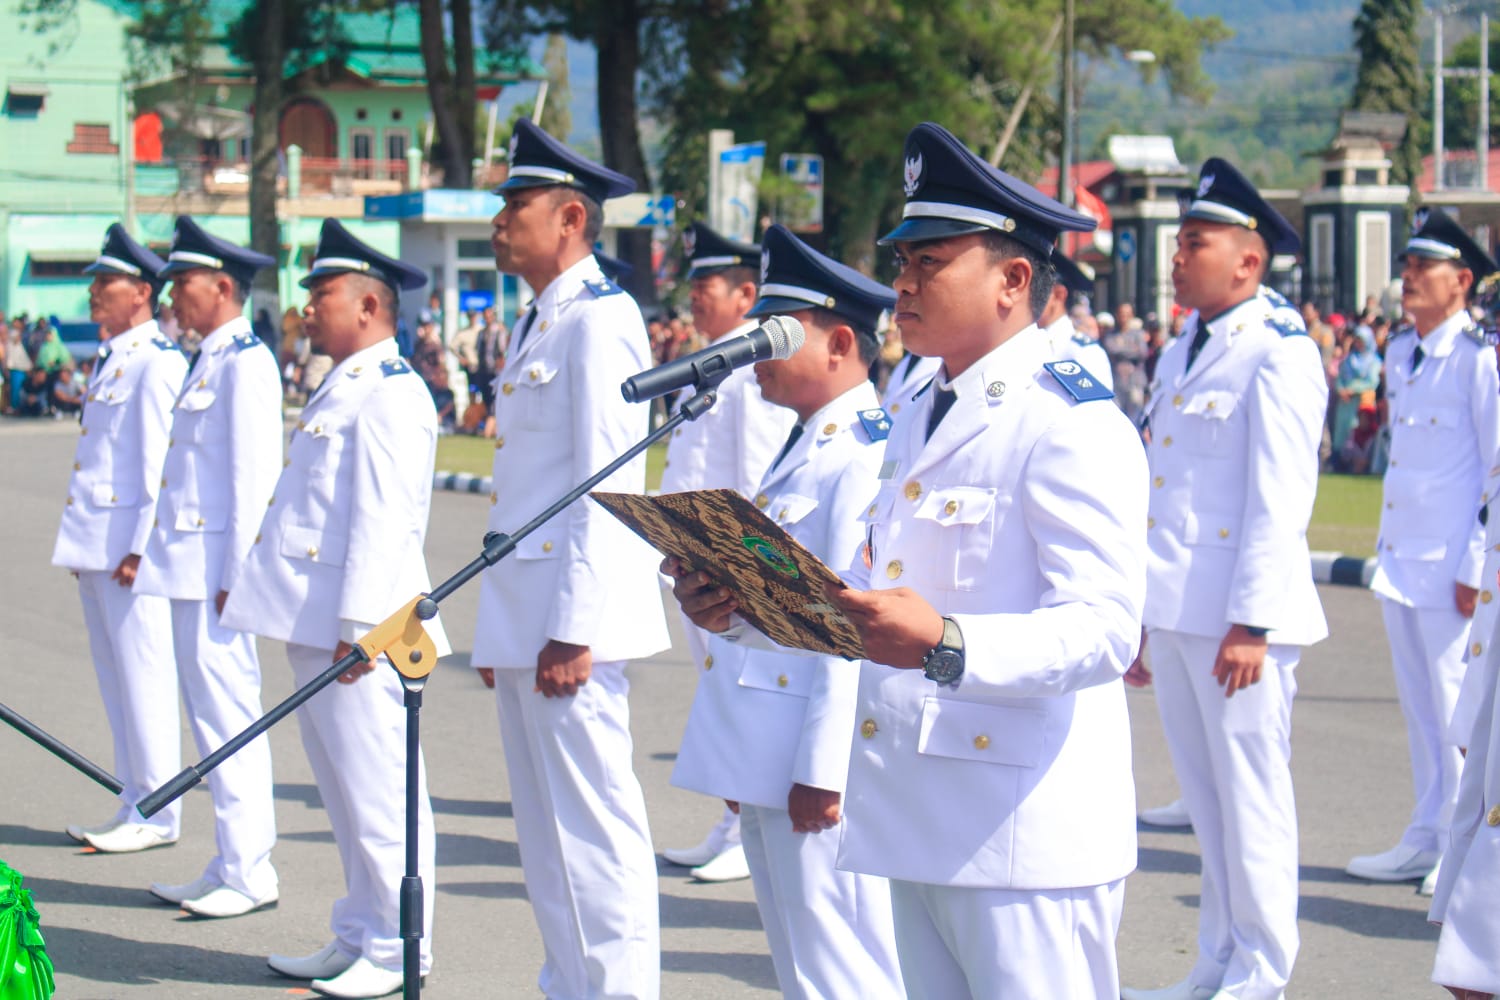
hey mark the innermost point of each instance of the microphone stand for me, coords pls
(411, 651)
(49, 742)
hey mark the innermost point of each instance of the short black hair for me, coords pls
(593, 212)
(241, 290)
(1043, 275)
(865, 340)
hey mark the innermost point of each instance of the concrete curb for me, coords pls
(1348, 571)
(1327, 567)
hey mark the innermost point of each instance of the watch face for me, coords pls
(944, 666)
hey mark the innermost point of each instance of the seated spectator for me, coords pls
(442, 398)
(67, 393)
(32, 400)
(1358, 452)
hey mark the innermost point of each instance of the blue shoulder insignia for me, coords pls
(245, 341)
(876, 422)
(1080, 384)
(1477, 335)
(602, 286)
(394, 366)
(1083, 340)
(163, 344)
(1276, 298)
(1286, 327)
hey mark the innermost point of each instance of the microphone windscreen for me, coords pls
(786, 334)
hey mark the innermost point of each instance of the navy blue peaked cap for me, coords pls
(339, 252)
(121, 254)
(1072, 275)
(1225, 195)
(708, 251)
(950, 191)
(794, 276)
(538, 160)
(614, 268)
(193, 247)
(1440, 237)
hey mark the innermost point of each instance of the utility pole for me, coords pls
(1437, 100)
(1065, 161)
(1482, 139)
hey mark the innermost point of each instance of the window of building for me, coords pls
(395, 114)
(480, 249)
(92, 138)
(360, 114)
(55, 265)
(25, 100)
(395, 143)
(362, 151)
(1365, 176)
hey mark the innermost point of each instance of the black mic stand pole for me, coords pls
(403, 640)
(49, 742)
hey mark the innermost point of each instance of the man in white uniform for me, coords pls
(729, 447)
(1067, 343)
(339, 551)
(222, 462)
(769, 731)
(1235, 421)
(990, 778)
(558, 623)
(105, 525)
(1441, 391)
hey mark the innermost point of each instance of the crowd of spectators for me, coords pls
(40, 376)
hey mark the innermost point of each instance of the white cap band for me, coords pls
(119, 265)
(797, 292)
(201, 259)
(960, 213)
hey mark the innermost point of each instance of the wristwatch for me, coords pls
(944, 663)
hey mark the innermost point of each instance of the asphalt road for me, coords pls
(108, 938)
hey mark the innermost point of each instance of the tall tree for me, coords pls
(269, 60)
(1461, 94)
(455, 139)
(1390, 75)
(557, 115)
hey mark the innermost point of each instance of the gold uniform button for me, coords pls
(893, 568)
(1493, 819)
(895, 408)
(202, 383)
(77, 466)
(164, 481)
(981, 742)
(286, 463)
(70, 501)
(257, 539)
(499, 443)
(868, 727)
(1158, 482)
(1223, 532)
(1150, 522)
(269, 503)
(1166, 442)
(156, 522)
(950, 508)
(312, 552)
(830, 428)
(546, 546)
(871, 513)
(93, 396)
(507, 388)
(120, 373)
(171, 442)
(1209, 405)
(200, 522)
(113, 498)
(534, 374)
(1176, 400)
(781, 514)
(913, 490)
(302, 425)
(1477, 648)
(83, 432)
(1485, 597)
(762, 501)
(494, 498)
(781, 681)
(708, 663)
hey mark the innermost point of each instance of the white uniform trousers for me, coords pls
(1427, 652)
(581, 827)
(1233, 760)
(220, 677)
(727, 830)
(1007, 944)
(830, 931)
(130, 636)
(355, 738)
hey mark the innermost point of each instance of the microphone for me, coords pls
(777, 339)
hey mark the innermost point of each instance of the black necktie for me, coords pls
(1199, 339)
(1416, 358)
(523, 328)
(791, 439)
(942, 402)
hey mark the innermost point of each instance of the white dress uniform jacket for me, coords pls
(221, 466)
(1469, 880)
(117, 467)
(1020, 518)
(1482, 627)
(1070, 345)
(731, 445)
(340, 546)
(584, 577)
(1227, 527)
(762, 720)
(1445, 430)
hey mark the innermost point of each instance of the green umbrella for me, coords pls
(25, 969)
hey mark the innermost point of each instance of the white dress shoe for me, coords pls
(227, 902)
(729, 866)
(691, 857)
(179, 894)
(1171, 815)
(325, 963)
(127, 838)
(362, 979)
(1184, 990)
(1429, 884)
(81, 833)
(1399, 864)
